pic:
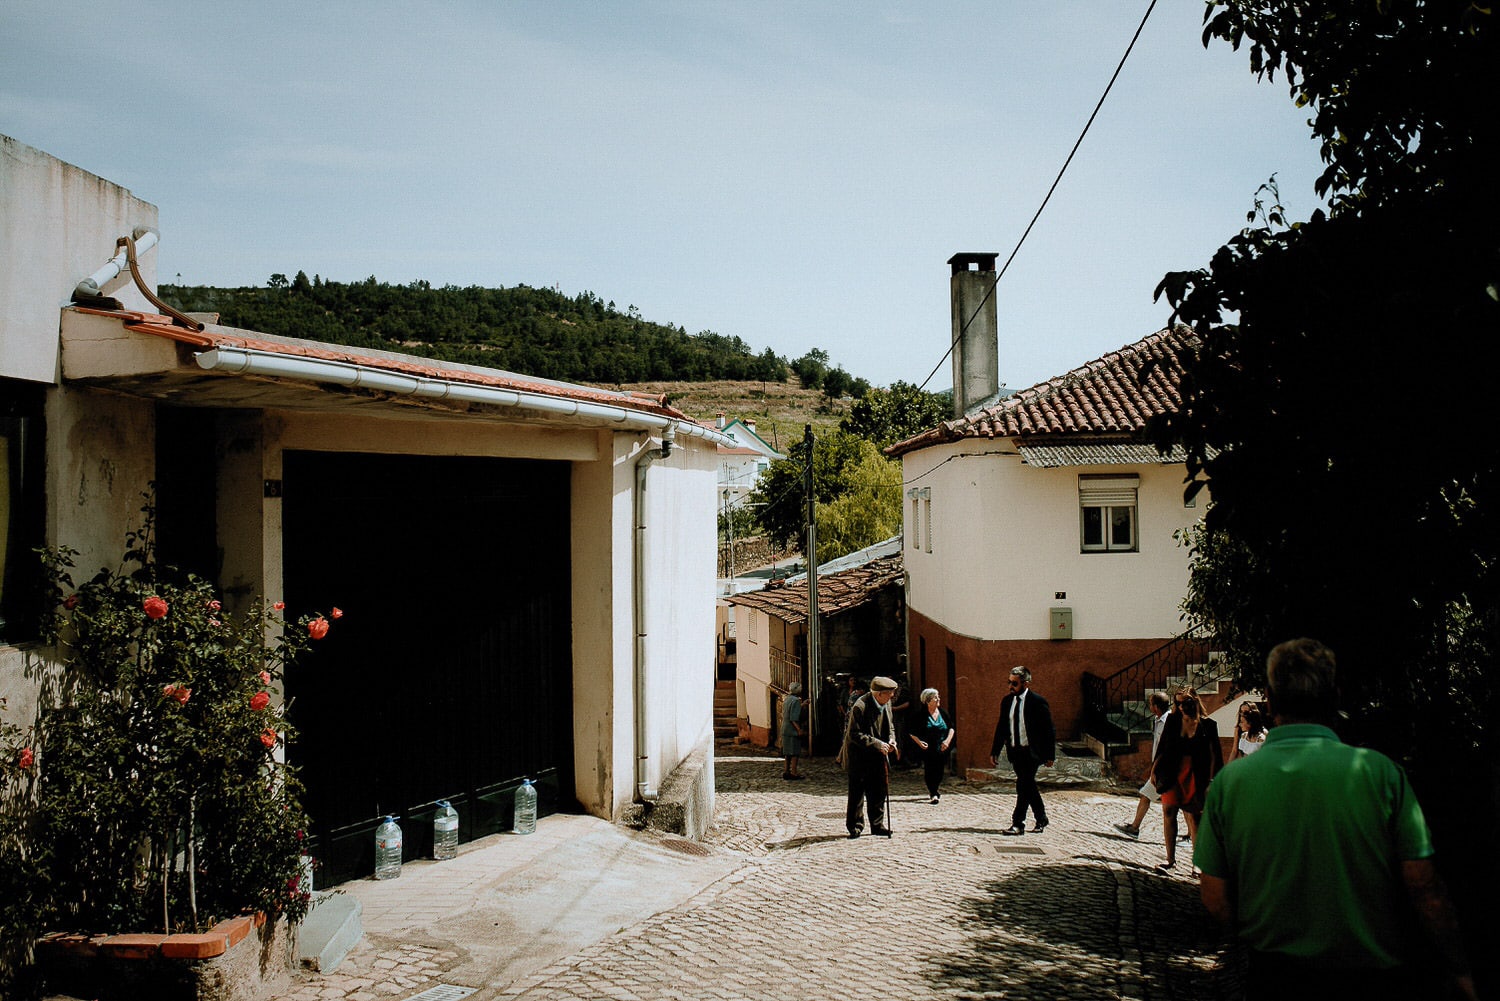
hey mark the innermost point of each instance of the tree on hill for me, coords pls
(886, 416)
(538, 332)
(1339, 357)
(857, 489)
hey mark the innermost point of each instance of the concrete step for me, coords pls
(332, 927)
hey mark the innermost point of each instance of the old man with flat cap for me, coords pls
(868, 744)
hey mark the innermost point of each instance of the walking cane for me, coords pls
(889, 830)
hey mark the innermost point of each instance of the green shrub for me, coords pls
(153, 797)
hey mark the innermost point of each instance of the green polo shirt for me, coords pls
(1310, 834)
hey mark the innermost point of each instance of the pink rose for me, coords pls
(214, 605)
(318, 628)
(214, 622)
(259, 701)
(26, 758)
(155, 607)
(265, 677)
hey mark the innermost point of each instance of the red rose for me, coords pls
(318, 628)
(279, 605)
(292, 883)
(177, 692)
(26, 758)
(259, 701)
(70, 602)
(268, 737)
(155, 607)
(337, 613)
(265, 677)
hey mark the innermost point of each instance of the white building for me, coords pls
(527, 567)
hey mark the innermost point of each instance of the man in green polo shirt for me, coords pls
(1317, 855)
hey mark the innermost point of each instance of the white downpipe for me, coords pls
(645, 785)
(92, 287)
(249, 361)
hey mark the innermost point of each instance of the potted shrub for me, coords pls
(151, 795)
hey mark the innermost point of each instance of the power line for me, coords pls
(1001, 274)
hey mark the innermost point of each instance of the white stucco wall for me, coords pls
(681, 551)
(58, 225)
(1005, 540)
(753, 667)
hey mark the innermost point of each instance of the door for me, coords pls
(449, 674)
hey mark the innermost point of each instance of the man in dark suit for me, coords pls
(1025, 732)
(869, 740)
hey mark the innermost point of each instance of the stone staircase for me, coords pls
(1210, 680)
(726, 723)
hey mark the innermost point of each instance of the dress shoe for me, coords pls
(796, 778)
(1039, 827)
(1164, 866)
(1014, 831)
(934, 799)
(853, 835)
(881, 832)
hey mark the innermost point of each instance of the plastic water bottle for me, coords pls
(445, 831)
(388, 849)
(525, 808)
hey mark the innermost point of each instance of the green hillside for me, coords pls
(522, 329)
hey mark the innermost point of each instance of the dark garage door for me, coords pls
(450, 674)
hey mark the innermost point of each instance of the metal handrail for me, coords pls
(1104, 696)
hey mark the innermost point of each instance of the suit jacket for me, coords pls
(1039, 732)
(869, 725)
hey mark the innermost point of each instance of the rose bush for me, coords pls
(150, 795)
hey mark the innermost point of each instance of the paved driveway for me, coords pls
(779, 904)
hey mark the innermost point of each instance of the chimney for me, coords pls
(750, 423)
(976, 351)
(721, 420)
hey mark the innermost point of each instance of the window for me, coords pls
(22, 510)
(914, 529)
(752, 627)
(1107, 513)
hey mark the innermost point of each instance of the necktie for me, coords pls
(1015, 722)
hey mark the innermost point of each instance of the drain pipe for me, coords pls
(645, 788)
(92, 287)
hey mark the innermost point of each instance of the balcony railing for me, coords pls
(1114, 707)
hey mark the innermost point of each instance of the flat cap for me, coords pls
(882, 684)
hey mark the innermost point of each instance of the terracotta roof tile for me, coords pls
(1115, 394)
(217, 336)
(836, 592)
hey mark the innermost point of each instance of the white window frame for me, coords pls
(1109, 495)
(927, 511)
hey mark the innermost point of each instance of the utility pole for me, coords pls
(814, 629)
(729, 521)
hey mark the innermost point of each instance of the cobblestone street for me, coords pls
(947, 908)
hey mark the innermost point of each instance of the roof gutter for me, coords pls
(249, 361)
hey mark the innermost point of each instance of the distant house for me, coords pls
(861, 608)
(518, 603)
(742, 460)
(1041, 528)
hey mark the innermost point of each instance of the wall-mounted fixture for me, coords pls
(1062, 623)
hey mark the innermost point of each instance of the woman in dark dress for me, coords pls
(1188, 765)
(933, 734)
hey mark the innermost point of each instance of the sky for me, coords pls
(794, 174)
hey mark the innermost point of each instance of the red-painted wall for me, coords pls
(981, 668)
